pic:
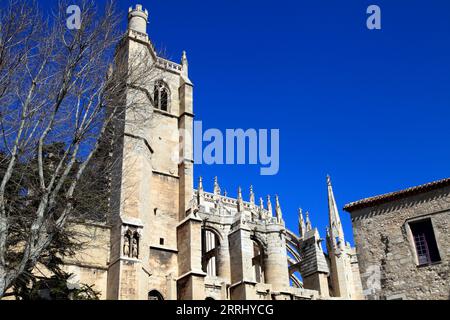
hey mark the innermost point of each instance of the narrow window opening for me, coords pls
(164, 99)
(156, 96)
(161, 241)
(210, 253)
(161, 96)
(258, 262)
(425, 242)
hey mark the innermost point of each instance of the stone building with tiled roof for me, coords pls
(402, 242)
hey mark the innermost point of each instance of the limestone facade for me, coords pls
(167, 240)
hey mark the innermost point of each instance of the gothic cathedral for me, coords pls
(166, 240)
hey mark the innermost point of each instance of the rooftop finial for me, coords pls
(184, 63)
(269, 205)
(200, 184)
(252, 196)
(308, 222)
(278, 212)
(240, 202)
(216, 186)
(301, 223)
(200, 193)
(261, 203)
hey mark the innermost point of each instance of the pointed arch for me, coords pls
(296, 281)
(294, 252)
(211, 240)
(161, 96)
(258, 257)
(155, 295)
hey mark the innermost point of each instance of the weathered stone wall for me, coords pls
(215, 289)
(162, 216)
(317, 281)
(386, 253)
(163, 271)
(275, 263)
(90, 263)
(313, 258)
(357, 293)
(91, 276)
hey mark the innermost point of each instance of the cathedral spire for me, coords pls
(216, 186)
(308, 222)
(261, 203)
(336, 231)
(278, 212)
(301, 223)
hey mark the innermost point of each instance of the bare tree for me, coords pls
(62, 92)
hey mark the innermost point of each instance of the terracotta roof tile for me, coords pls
(372, 201)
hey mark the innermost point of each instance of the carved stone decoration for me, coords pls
(194, 206)
(131, 238)
(135, 246)
(126, 245)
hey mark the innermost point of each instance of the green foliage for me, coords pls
(56, 287)
(23, 197)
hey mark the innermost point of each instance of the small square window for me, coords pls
(425, 242)
(161, 241)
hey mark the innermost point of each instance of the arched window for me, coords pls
(258, 262)
(161, 96)
(210, 252)
(155, 295)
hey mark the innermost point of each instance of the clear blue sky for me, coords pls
(371, 108)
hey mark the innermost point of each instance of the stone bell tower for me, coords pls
(152, 182)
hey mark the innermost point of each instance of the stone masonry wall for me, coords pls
(387, 255)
